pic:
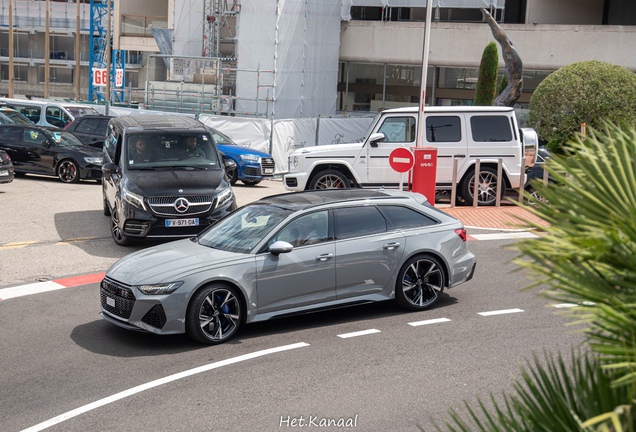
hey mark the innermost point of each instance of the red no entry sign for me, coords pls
(401, 159)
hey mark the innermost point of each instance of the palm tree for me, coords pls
(587, 256)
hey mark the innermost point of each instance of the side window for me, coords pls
(110, 144)
(11, 133)
(398, 129)
(358, 221)
(406, 218)
(31, 113)
(443, 129)
(87, 126)
(490, 129)
(33, 136)
(101, 129)
(305, 230)
(54, 116)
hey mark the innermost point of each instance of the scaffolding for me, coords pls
(216, 14)
(97, 57)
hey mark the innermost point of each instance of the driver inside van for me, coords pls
(192, 150)
(141, 151)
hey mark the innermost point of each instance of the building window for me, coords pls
(57, 75)
(19, 73)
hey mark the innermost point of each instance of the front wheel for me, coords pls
(214, 314)
(329, 179)
(420, 282)
(68, 172)
(232, 175)
(118, 234)
(488, 186)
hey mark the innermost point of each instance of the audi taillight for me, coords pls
(461, 233)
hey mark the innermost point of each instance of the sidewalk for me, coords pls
(497, 218)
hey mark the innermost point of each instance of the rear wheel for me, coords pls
(420, 282)
(488, 186)
(214, 314)
(329, 179)
(251, 182)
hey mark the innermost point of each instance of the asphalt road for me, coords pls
(58, 355)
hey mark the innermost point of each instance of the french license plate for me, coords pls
(4, 173)
(110, 301)
(182, 222)
(269, 170)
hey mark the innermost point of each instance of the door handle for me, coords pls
(391, 246)
(324, 257)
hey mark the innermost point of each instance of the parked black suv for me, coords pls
(91, 129)
(163, 177)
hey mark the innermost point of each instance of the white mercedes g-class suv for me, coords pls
(464, 133)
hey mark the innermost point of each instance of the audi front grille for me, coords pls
(122, 295)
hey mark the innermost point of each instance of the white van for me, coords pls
(48, 113)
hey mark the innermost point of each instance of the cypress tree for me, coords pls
(487, 80)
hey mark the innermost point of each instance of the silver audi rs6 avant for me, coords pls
(290, 254)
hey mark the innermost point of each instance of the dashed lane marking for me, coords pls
(431, 321)
(156, 383)
(74, 240)
(500, 312)
(17, 245)
(358, 333)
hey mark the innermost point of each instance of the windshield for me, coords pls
(220, 138)
(244, 229)
(13, 117)
(370, 128)
(63, 138)
(171, 150)
(80, 111)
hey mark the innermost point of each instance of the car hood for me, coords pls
(175, 182)
(235, 149)
(352, 148)
(169, 262)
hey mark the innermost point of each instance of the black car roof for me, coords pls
(143, 121)
(313, 198)
(34, 126)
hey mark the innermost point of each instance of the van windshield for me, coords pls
(171, 150)
(80, 111)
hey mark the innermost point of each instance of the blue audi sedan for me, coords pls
(252, 166)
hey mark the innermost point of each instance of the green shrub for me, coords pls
(487, 81)
(584, 92)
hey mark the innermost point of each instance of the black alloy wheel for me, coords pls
(420, 282)
(68, 171)
(214, 314)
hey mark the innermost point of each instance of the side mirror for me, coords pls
(46, 144)
(280, 247)
(109, 169)
(229, 163)
(376, 138)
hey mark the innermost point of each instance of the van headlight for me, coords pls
(223, 197)
(133, 199)
(159, 289)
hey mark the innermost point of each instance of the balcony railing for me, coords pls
(139, 25)
(39, 54)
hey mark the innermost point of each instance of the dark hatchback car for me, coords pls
(6, 168)
(163, 177)
(91, 129)
(50, 151)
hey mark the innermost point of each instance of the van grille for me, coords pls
(177, 206)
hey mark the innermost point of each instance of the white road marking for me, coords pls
(565, 305)
(432, 321)
(34, 288)
(156, 383)
(504, 236)
(500, 312)
(358, 333)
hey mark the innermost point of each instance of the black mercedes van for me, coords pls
(162, 177)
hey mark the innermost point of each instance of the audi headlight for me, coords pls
(133, 199)
(159, 289)
(250, 157)
(223, 197)
(94, 160)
